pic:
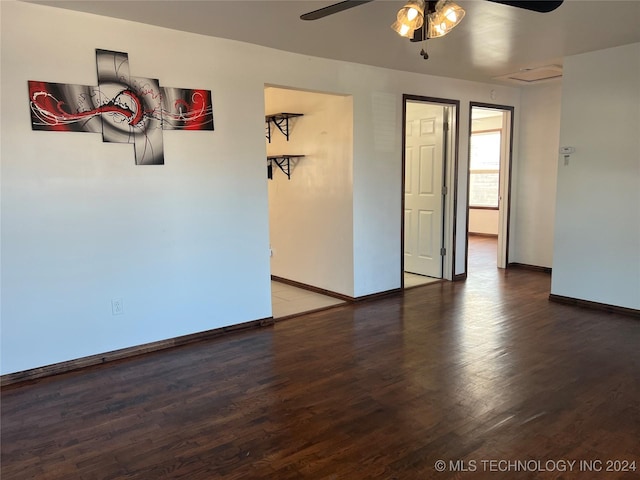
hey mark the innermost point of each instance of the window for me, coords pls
(484, 169)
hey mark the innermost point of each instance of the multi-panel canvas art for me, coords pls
(125, 109)
(184, 109)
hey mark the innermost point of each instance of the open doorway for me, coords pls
(490, 147)
(309, 164)
(426, 210)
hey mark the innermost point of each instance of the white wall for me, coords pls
(534, 212)
(311, 215)
(597, 230)
(483, 221)
(184, 245)
(82, 224)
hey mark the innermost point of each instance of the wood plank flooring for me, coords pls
(486, 369)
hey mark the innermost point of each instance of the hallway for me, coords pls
(483, 256)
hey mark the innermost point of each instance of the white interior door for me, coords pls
(423, 219)
(503, 212)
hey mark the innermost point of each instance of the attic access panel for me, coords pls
(533, 75)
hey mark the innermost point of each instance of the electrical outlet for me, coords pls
(117, 308)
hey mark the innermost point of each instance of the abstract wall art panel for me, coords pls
(185, 109)
(64, 108)
(124, 108)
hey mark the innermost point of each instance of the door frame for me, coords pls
(509, 171)
(451, 198)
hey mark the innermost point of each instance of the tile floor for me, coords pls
(287, 300)
(413, 280)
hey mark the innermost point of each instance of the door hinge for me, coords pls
(446, 126)
(443, 251)
(444, 190)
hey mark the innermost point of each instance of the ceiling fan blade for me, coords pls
(331, 9)
(542, 6)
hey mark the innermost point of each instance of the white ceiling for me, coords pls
(492, 39)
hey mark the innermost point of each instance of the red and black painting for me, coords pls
(125, 109)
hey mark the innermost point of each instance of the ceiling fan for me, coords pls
(420, 20)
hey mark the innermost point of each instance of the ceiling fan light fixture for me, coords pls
(452, 12)
(436, 30)
(402, 29)
(446, 16)
(410, 17)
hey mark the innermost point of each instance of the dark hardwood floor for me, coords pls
(482, 370)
